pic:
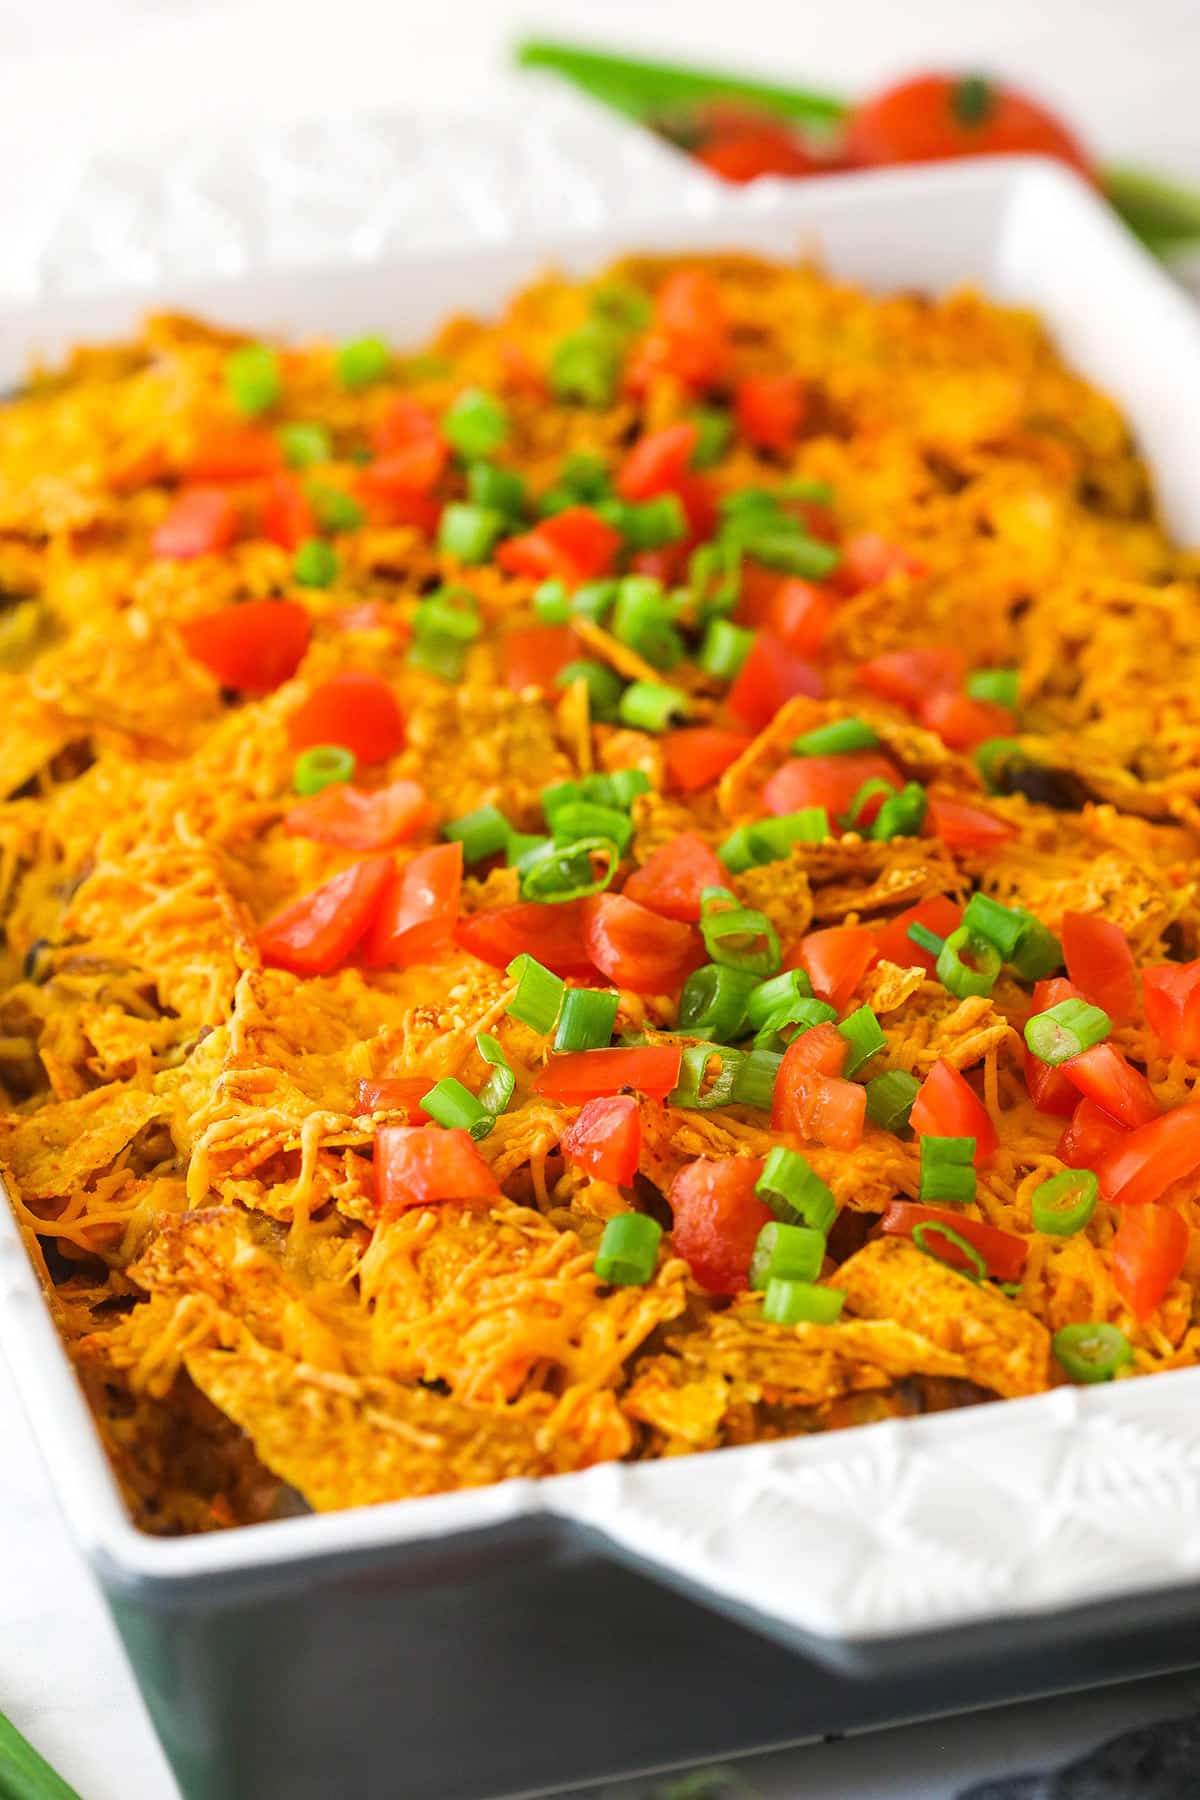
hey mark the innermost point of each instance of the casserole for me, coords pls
(845, 1544)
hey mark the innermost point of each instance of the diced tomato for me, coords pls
(637, 948)
(418, 911)
(1149, 1160)
(696, 757)
(534, 655)
(1091, 1134)
(690, 302)
(927, 119)
(742, 153)
(395, 1093)
(1172, 995)
(689, 338)
(202, 520)
(667, 564)
(695, 494)
(415, 469)
(1003, 1252)
(574, 546)
(650, 1069)
(771, 674)
(397, 506)
(964, 827)
(1105, 1075)
(769, 409)
(868, 560)
(801, 614)
(420, 1165)
(372, 615)
(756, 595)
(405, 423)
(355, 709)
(671, 881)
(810, 1097)
(962, 722)
(317, 933)
(831, 782)
(948, 1106)
(606, 1139)
(937, 914)
(835, 960)
(717, 1219)
(360, 818)
(909, 677)
(554, 934)
(657, 461)
(521, 373)
(287, 517)
(1148, 1251)
(235, 453)
(1100, 963)
(252, 647)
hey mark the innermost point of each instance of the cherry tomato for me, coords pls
(930, 118)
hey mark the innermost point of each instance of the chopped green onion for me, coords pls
(738, 936)
(1065, 1203)
(866, 793)
(520, 843)
(253, 379)
(754, 1079)
(315, 563)
(503, 490)
(651, 706)
(948, 1169)
(560, 872)
(621, 305)
(587, 1019)
(539, 993)
(551, 603)
(334, 509)
(443, 626)
(470, 532)
(482, 833)
(725, 649)
(625, 786)
(604, 685)
(1066, 1030)
(594, 600)
(304, 445)
(715, 578)
(737, 852)
(647, 524)
(698, 1088)
(644, 618)
(862, 1032)
(455, 1106)
(802, 1303)
(789, 551)
(628, 1250)
(1001, 686)
(902, 814)
(585, 366)
(1092, 1352)
(924, 939)
(475, 425)
(793, 1190)
(781, 990)
(990, 755)
(967, 964)
(714, 433)
(890, 1099)
(559, 793)
(1001, 926)
(501, 1084)
(806, 1013)
(322, 766)
(771, 839)
(786, 1253)
(836, 739)
(585, 476)
(934, 1228)
(714, 1002)
(1039, 952)
(577, 819)
(362, 362)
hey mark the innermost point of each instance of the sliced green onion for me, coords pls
(253, 379)
(699, 1087)
(626, 785)
(520, 843)
(933, 1228)
(322, 766)
(769, 840)
(539, 993)
(793, 1190)
(1066, 1030)
(587, 1019)
(738, 936)
(725, 649)
(790, 551)
(551, 603)
(647, 524)
(621, 305)
(992, 754)
(947, 1173)
(967, 964)
(715, 578)
(1092, 1352)
(315, 563)
(714, 1002)
(594, 600)
(1039, 952)
(836, 739)
(802, 1303)
(585, 366)
(866, 793)
(651, 706)
(890, 1099)
(628, 1250)
(304, 445)
(806, 1013)
(947, 1152)
(475, 425)
(443, 626)
(902, 814)
(560, 872)
(644, 619)
(501, 1084)
(558, 794)
(334, 509)
(924, 939)
(714, 433)
(737, 852)
(578, 819)
(754, 1079)
(1001, 686)
(470, 532)
(1001, 926)
(455, 1106)
(604, 685)
(503, 490)
(1065, 1203)
(484, 832)
(862, 1032)
(786, 1253)
(585, 476)
(362, 362)
(780, 991)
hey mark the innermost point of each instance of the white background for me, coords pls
(116, 75)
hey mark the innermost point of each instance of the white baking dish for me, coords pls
(990, 1513)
